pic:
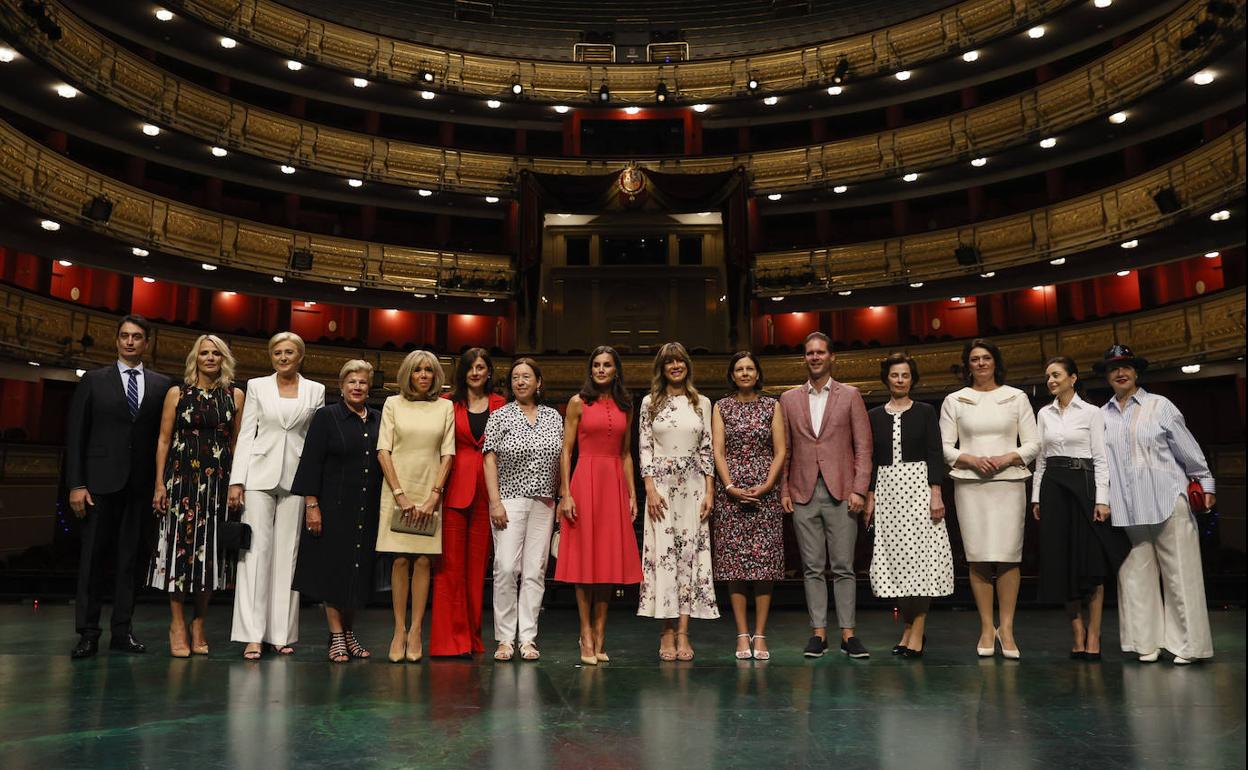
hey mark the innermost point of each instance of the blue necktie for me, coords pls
(132, 392)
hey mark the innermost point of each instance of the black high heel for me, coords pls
(338, 648)
(354, 648)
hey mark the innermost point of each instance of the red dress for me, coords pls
(601, 546)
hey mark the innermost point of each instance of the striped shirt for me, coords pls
(1152, 454)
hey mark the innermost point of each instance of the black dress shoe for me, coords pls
(909, 653)
(126, 643)
(1078, 655)
(816, 647)
(86, 648)
(900, 649)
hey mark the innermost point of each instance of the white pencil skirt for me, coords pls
(991, 516)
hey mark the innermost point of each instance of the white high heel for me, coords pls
(760, 654)
(1013, 654)
(744, 654)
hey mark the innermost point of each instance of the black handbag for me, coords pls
(234, 536)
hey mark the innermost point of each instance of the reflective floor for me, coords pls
(948, 710)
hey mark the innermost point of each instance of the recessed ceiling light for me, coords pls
(776, 299)
(771, 101)
(903, 75)
(66, 91)
(208, 266)
(278, 279)
(359, 82)
(493, 104)
(1190, 369)
(7, 54)
(34, 363)
(139, 252)
(1131, 244)
(50, 225)
(287, 169)
(1204, 77)
(422, 192)
(420, 296)
(957, 299)
(988, 274)
(491, 199)
(1212, 254)
(427, 76)
(916, 285)
(1036, 32)
(1037, 288)
(1102, 3)
(487, 299)
(1220, 216)
(309, 303)
(835, 90)
(517, 88)
(427, 95)
(970, 56)
(220, 152)
(148, 279)
(151, 130)
(163, 14)
(293, 66)
(840, 188)
(1123, 273)
(979, 162)
(909, 177)
(228, 293)
(1057, 262)
(228, 42)
(350, 288)
(356, 182)
(80, 372)
(64, 263)
(701, 107)
(1118, 118)
(845, 293)
(774, 197)
(632, 109)
(1048, 142)
(563, 108)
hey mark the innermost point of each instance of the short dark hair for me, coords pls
(137, 320)
(998, 363)
(732, 364)
(466, 360)
(537, 372)
(1067, 363)
(894, 359)
(817, 336)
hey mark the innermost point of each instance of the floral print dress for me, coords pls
(675, 448)
(749, 539)
(197, 482)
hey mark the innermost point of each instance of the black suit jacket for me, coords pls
(106, 451)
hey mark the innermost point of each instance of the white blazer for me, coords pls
(268, 449)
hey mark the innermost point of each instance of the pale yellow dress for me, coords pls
(417, 434)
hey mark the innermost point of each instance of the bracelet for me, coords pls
(310, 506)
(436, 489)
(396, 492)
(730, 485)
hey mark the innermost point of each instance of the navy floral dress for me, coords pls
(197, 481)
(749, 540)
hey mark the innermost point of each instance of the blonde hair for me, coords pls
(288, 337)
(672, 351)
(353, 366)
(410, 362)
(226, 376)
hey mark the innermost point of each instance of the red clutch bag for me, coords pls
(1196, 496)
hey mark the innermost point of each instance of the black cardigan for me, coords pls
(920, 440)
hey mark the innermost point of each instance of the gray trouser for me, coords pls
(825, 528)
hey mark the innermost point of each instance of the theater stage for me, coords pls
(948, 710)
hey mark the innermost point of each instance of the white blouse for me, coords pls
(1077, 431)
(987, 424)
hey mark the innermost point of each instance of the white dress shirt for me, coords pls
(1076, 431)
(123, 367)
(818, 401)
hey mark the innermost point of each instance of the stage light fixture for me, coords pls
(562, 109)
(1212, 254)
(1036, 32)
(208, 266)
(138, 251)
(1220, 216)
(970, 56)
(228, 42)
(1057, 262)
(66, 91)
(903, 75)
(840, 188)
(287, 169)
(427, 95)
(359, 82)
(979, 162)
(912, 176)
(1204, 77)
(422, 192)
(164, 14)
(660, 93)
(604, 93)
(426, 75)
(1048, 142)
(835, 90)
(7, 54)
(98, 209)
(632, 109)
(493, 104)
(701, 107)
(516, 87)
(293, 65)
(771, 101)
(355, 182)
(50, 225)
(840, 71)
(219, 152)
(774, 197)
(752, 84)
(151, 130)
(1118, 118)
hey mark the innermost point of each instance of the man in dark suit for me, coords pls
(110, 470)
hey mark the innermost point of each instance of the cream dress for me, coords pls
(417, 434)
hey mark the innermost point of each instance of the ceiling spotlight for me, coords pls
(841, 71)
(910, 177)
(359, 82)
(151, 130)
(562, 109)
(356, 182)
(1203, 78)
(989, 274)
(845, 293)
(835, 90)
(139, 252)
(228, 42)
(7, 54)
(350, 288)
(1123, 273)
(979, 162)
(278, 279)
(701, 107)
(163, 14)
(420, 296)
(219, 152)
(208, 266)
(293, 65)
(493, 104)
(970, 56)
(229, 293)
(1102, 3)
(66, 91)
(34, 363)
(957, 299)
(752, 84)
(771, 101)
(916, 285)
(1131, 244)
(840, 188)
(774, 197)
(287, 169)
(1036, 32)
(64, 263)
(148, 279)
(604, 93)
(491, 199)
(80, 373)
(1057, 262)
(427, 95)
(426, 75)
(309, 303)
(1212, 254)
(487, 299)
(517, 88)
(1048, 142)
(1190, 369)
(1220, 216)
(422, 192)
(903, 75)
(660, 93)
(1118, 118)
(632, 109)
(50, 225)
(776, 299)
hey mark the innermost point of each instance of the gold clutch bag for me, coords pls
(426, 526)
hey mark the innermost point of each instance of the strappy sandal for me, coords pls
(284, 649)
(504, 652)
(253, 654)
(354, 648)
(338, 648)
(666, 655)
(529, 651)
(683, 655)
(760, 654)
(745, 654)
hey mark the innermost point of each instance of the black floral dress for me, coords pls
(748, 540)
(197, 482)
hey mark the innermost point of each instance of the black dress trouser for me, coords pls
(115, 524)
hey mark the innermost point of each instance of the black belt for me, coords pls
(1070, 463)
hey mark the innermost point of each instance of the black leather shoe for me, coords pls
(126, 643)
(816, 647)
(1078, 655)
(86, 648)
(854, 649)
(909, 653)
(900, 649)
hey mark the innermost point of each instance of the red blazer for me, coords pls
(467, 479)
(840, 452)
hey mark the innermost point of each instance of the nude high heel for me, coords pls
(1008, 654)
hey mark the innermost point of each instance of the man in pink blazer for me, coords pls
(824, 486)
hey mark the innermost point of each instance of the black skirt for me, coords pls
(1077, 553)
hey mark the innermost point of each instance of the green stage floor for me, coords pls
(948, 710)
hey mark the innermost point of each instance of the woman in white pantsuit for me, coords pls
(1152, 454)
(523, 444)
(276, 416)
(989, 435)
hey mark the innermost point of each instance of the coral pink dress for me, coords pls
(601, 546)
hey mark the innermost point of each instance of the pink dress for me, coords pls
(601, 546)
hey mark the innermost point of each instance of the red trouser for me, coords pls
(459, 581)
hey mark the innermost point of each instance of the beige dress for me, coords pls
(417, 434)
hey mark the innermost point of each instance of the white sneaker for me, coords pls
(1151, 657)
(1181, 661)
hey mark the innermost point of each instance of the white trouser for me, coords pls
(520, 553)
(265, 608)
(1164, 562)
